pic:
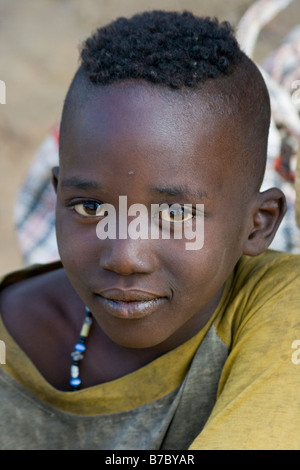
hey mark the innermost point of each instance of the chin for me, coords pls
(137, 337)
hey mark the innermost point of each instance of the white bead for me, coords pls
(74, 372)
(77, 356)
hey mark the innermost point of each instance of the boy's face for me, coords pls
(153, 146)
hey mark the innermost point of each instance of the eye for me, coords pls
(176, 214)
(88, 209)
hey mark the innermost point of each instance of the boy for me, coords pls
(187, 348)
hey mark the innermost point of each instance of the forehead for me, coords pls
(151, 130)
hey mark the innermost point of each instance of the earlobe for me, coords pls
(55, 174)
(267, 216)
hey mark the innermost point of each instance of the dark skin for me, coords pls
(155, 146)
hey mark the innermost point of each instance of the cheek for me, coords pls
(199, 274)
(220, 254)
(77, 243)
(193, 275)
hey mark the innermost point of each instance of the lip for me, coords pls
(130, 305)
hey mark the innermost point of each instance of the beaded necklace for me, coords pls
(79, 349)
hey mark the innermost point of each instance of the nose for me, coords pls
(126, 257)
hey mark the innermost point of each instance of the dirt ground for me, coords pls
(38, 55)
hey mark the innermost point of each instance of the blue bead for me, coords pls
(79, 347)
(75, 382)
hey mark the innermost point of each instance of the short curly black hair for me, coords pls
(167, 48)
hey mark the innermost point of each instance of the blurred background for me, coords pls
(39, 42)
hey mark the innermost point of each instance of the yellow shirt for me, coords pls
(258, 400)
(235, 385)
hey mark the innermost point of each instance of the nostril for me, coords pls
(126, 257)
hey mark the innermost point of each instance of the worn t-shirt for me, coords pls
(234, 385)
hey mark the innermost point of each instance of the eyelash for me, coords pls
(75, 204)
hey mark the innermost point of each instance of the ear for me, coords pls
(55, 174)
(267, 215)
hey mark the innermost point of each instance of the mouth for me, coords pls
(130, 305)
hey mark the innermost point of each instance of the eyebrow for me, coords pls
(179, 191)
(77, 183)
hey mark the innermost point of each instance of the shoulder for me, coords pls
(271, 280)
(264, 290)
(272, 267)
(29, 289)
(270, 294)
(38, 302)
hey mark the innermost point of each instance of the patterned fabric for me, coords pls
(283, 66)
(280, 69)
(35, 206)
